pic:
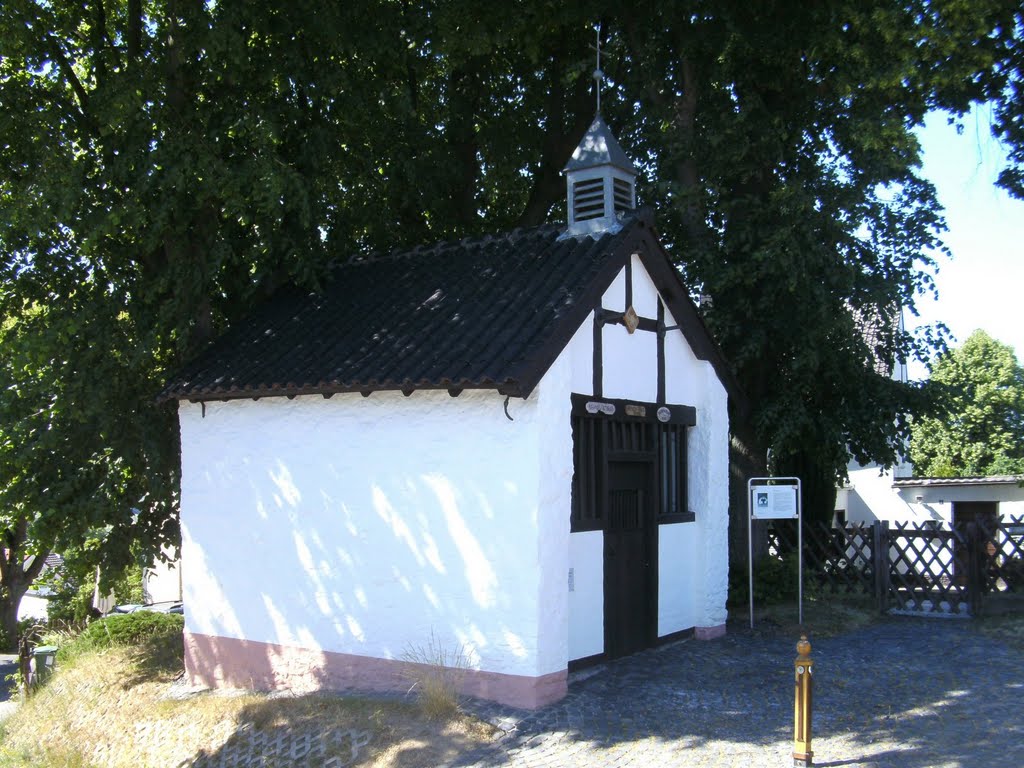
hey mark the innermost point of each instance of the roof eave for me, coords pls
(509, 388)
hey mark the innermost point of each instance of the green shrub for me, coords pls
(70, 604)
(775, 581)
(128, 629)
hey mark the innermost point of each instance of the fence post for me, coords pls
(975, 561)
(880, 558)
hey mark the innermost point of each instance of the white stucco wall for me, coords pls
(366, 525)
(554, 501)
(869, 496)
(586, 598)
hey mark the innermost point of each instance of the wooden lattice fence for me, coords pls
(916, 568)
(1002, 559)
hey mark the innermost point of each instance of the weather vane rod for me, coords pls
(598, 74)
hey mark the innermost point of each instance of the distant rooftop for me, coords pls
(922, 482)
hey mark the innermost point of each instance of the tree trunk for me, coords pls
(15, 579)
(559, 142)
(747, 459)
(10, 601)
(818, 484)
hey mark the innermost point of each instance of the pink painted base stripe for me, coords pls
(224, 662)
(709, 633)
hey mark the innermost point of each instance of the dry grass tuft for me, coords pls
(116, 707)
(436, 673)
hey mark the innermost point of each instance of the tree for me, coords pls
(981, 429)
(168, 163)
(72, 464)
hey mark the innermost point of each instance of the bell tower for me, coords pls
(600, 182)
(600, 179)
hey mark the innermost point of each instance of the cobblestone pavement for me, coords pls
(8, 701)
(906, 693)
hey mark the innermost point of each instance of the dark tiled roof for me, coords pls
(483, 313)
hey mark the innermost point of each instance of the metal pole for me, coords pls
(802, 754)
(800, 552)
(750, 554)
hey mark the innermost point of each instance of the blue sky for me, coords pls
(982, 286)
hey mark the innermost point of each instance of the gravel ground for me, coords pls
(904, 693)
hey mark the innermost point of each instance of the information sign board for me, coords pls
(773, 502)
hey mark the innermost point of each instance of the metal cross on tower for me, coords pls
(598, 74)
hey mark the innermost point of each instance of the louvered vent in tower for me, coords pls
(623, 196)
(588, 199)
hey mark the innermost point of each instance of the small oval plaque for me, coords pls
(664, 414)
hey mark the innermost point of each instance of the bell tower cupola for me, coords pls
(600, 182)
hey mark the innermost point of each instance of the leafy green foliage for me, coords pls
(129, 629)
(72, 592)
(776, 580)
(167, 164)
(980, 430)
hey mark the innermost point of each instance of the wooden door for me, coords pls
(986, 515)
(629, 559)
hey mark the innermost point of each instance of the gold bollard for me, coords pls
(802, 754)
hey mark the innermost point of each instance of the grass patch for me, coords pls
(824, 616)
(1009, 628)
(124, 705)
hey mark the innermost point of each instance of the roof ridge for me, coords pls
(511, 236)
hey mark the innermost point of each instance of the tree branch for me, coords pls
(36, 567)
(134, 30)
(558, 142)
(462, 140)
(99, 39)
(69, 73)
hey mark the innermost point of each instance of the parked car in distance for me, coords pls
(169, 606)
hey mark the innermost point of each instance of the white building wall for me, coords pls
(375, 524)
(34, 606)
(709, 489)
(161, 582)
(586, 594)
(554, 500)
(870, 496)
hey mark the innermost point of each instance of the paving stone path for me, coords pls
(8, 697)
(905, 693)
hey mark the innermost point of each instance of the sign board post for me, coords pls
(775, 498)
